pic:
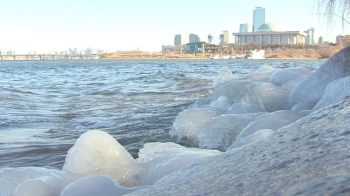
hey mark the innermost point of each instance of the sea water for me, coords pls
(46, 105)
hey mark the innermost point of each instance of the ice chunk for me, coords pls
(96, 152)
(96, 185)
(230, 90)
(266, 95)
(187, 124)
(32, 181)
(153, 147)
(242, 107)
(295, 74)
(302, 106)
(273, 121)
(257, 136)
(222, 102)
(221, 131)
(311, 89)
(225, 75)
(262, 74)
(160, 163)
(335, 91)
(265, 68)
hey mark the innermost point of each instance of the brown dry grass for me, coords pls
(306, 53)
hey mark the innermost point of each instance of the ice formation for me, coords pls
(312, 88)
(238, 113)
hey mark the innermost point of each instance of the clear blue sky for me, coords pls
(43, 25)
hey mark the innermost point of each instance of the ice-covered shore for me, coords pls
(276, 129)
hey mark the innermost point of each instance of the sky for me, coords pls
(46, 25)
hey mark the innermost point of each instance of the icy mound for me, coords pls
(188, 123)
(335, 91)
(96, 185)
(98, 165)
(172, 157)
(308, 157)
(32, 181)
(311, 89)
(96, 152)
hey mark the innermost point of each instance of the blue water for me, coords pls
(46, 105)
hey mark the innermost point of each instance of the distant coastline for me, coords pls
(277, 53)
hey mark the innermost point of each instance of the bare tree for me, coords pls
(335, 9)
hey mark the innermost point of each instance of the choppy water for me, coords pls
(46, 105)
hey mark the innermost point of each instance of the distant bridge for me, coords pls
(48, 56)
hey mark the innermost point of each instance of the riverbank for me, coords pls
(276, 53)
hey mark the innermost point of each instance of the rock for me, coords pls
(335, 91)
(311, 89)
(308, 157)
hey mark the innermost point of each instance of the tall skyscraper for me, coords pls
(258, 18)
(309, 39)
(194, 38)
(244, 28)
(178, 40)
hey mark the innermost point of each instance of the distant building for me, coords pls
(226, 37)
(195, 47)
(178, 40)
(167, 47)
(270, 34)
(244, 28)
(193, 38)
(320, 40)
(210, 39)
(258, 18)
(309, 39)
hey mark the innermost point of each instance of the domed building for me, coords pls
(271, 34)
(270, 27)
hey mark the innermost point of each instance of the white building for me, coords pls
(258, 18)
(270, 34)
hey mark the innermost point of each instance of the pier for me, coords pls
(49, 56)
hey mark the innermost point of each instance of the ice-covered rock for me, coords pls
(302, 106)
(166, 159)
(32, 181)
(231, 90)
(225, 75)
(98, 153)
(243, 107)
(295, 74)
(312, 88)
(308, 157)
(268, 96)
(335, 91)
(222, 102)
(221, 131)
(96, 185)
(262, 74)
(187, 124)
(257, 136)
(273, 121)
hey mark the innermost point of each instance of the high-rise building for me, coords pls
(194, 38)
(178, 40)
(226, 37)
(320, 40)
(210, 39)
(258, 18)
(244, 28)
(309, 39)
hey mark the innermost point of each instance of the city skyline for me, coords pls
(145, 25)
